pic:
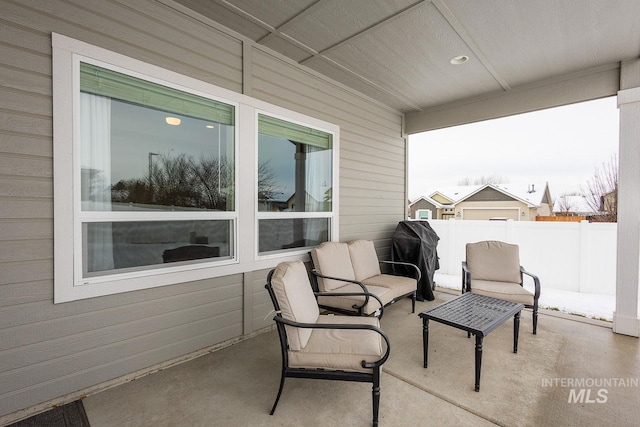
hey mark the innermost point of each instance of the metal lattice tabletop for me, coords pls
(474, 313)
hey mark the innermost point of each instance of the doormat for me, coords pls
(69, 415)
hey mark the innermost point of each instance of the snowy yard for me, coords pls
(595, 306)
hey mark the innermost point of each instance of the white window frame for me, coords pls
(68, 282)
(332, 215)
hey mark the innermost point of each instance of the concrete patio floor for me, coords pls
(572, 373)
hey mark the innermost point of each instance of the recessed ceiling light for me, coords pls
(209, 126)
(458, 60)
(173, 121)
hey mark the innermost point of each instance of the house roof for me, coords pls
(428, 200)
(531, 194)
(455, 193)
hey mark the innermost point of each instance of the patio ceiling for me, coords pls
(398, 51)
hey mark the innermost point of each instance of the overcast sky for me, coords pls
(562, 146)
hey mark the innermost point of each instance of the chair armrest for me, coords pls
(364, 288)
(366, 294)
(406, 264)
(536, 282)
(375, 329)
(466, 278)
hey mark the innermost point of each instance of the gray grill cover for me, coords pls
(416, 242)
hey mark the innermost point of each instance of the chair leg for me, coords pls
(413, 302)
(376, 394)
(273, 409)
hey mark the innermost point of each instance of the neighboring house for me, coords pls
(610, 202)
(520, 202)
(440, 202)
(425, 208)
(310, 202)
(276, 203)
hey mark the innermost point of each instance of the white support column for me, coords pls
(625, 318)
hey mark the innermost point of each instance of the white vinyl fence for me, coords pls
(569, 256)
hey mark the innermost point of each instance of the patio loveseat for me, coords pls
(355, 267)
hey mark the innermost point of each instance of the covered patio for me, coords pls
(574, 372)
(190, 343)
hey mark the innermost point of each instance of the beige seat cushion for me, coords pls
(398, 285)
(332, 259)
(493, 260)
(385, 294)
(337, 349)
(364, 259)
(290, 282)
(502, 290)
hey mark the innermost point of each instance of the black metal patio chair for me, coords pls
(321, 346)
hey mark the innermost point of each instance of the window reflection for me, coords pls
(140, 162)
(127, 246)
(293, 176)
(282, 234)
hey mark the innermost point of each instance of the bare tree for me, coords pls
(484, 179)
(565, 203)
(213, 176)
(602, 191)
(267, 183)
(183, 181)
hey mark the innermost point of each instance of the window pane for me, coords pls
(138, 157)
(281, 234)
(294, 168)
(127, 246)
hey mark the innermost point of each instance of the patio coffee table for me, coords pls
(476, 314)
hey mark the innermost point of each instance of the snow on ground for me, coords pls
(595, 306)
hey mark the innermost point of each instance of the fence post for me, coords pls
(509, 231)
(583, 261)
(451, 253)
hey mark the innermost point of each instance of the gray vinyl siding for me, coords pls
(489, 195)
(423, 204)
(256, 296)
(48, 351)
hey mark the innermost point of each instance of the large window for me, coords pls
(160, 178)
(148, 151)
(295, 184)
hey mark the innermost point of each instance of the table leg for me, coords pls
(478, 360)
(516, 330)
(425, 340)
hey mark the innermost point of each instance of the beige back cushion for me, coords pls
(332, 259)
(290, 283)
(364, 259)
(493, 260)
